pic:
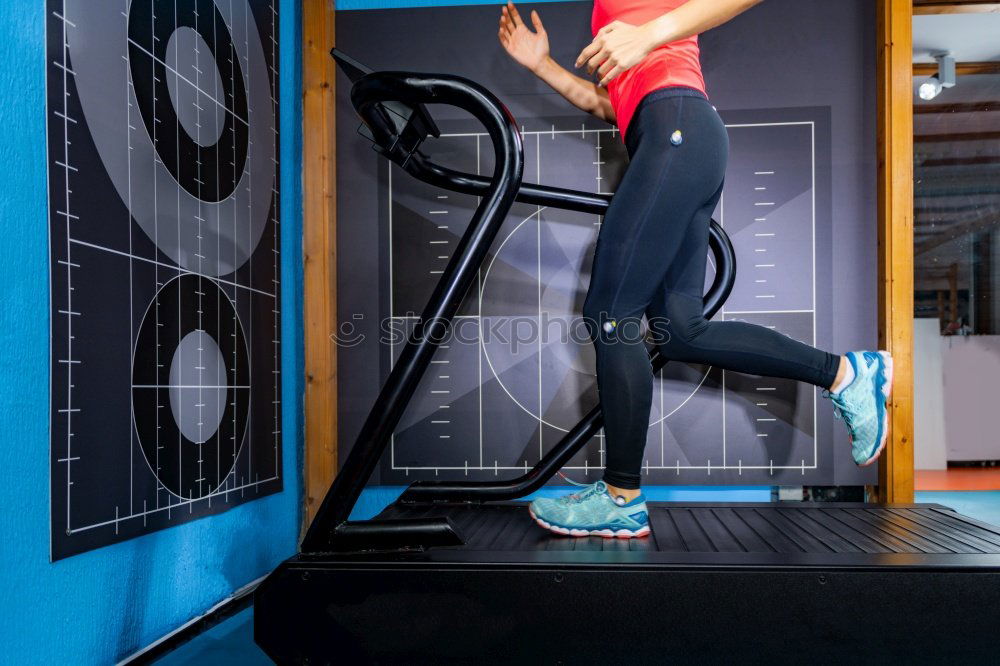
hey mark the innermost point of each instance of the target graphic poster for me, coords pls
(165, 304)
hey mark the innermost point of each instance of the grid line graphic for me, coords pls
(166, 371)
(749, 204)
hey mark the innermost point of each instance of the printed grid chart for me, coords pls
(163, 185)
(518, 371)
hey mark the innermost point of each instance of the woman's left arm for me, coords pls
(619, 46)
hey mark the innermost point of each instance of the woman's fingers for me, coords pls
(507, 22)
(610, 76)
(587, 53)
(515, 17)
(506, 26)
(536, 21)
(596, 61)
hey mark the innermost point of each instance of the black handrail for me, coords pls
(423, 169)
(368, 95)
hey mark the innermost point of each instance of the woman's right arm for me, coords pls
(531, 49)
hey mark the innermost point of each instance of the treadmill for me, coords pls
(457, 572)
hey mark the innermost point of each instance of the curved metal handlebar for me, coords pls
(421, 168)
(470, 252)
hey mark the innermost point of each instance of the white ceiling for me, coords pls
(969, 37)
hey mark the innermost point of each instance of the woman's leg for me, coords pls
(859, 383)
(681, 332)
(650, 259)
(668, 184)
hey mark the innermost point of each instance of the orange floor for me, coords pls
(958, 478)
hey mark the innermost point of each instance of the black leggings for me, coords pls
(650, 259)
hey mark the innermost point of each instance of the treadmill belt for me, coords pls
(733, 528)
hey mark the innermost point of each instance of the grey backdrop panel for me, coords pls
(793, 81)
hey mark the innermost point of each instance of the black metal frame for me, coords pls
(391, 107)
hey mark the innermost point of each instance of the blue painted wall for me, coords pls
(105, 604)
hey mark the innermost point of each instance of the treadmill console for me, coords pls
(396, 129)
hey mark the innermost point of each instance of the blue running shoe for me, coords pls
(862, 404)
(592, 512)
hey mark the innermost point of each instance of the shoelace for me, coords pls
(591, 489)
(572, 482)
(840, 408)
(838, 411)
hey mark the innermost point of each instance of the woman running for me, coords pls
(652, 247)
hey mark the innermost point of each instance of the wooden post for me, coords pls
(895, 237)
(319, 207)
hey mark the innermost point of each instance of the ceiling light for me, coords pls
(930, 88)
(945, 77)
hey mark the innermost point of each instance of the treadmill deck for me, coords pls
(713, 583)
(731, 533)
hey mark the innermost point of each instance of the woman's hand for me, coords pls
(530, 49)
(616, 47)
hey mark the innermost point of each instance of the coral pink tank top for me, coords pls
(673, 64)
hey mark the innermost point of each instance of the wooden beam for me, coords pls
(955, 137)
(966, 107)
(944, 210)
(894, 136)
(978, 160)
(319, 251)
(988, 219)
(961, 68)
(923, 7)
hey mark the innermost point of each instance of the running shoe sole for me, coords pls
(607, 532)
(887, 393)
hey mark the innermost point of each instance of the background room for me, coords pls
(956, 348)
(222, 445)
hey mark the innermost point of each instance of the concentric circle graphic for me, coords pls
(567, 364)
(171, 101)
(186, 85)
(191, 386)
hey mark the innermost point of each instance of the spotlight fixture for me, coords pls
(945, 77)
